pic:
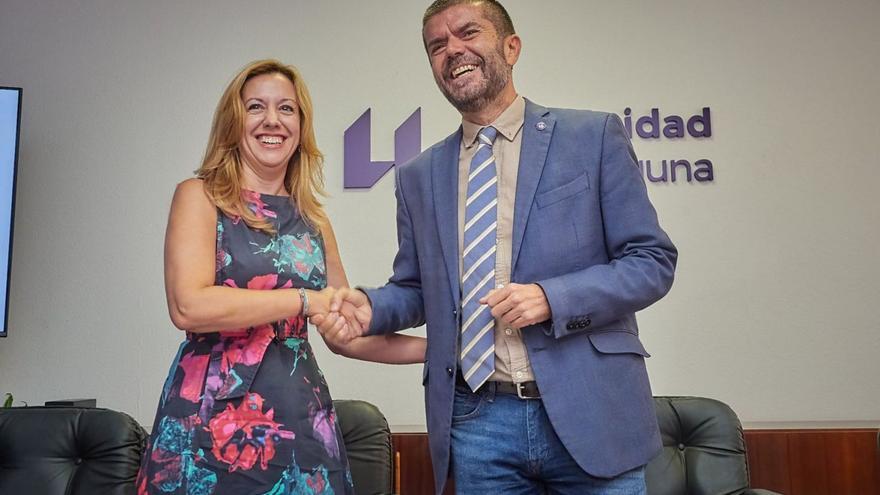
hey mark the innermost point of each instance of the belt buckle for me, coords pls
(520, 392)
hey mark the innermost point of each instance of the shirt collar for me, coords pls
(508, 123)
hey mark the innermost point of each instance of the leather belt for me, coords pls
(523, 390)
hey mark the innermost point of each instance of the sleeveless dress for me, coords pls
(247, 411)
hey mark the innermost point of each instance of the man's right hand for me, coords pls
(349, 317)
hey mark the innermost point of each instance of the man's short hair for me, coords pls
(494, 11)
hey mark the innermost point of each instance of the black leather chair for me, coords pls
(367, 440)
(704, 452)
(85, 451)
(68, 451)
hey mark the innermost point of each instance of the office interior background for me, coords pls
(773, 310)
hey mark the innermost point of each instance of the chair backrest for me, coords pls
(703, 449)
(69, 451)
(367, 439)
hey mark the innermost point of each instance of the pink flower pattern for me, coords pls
(246, 407)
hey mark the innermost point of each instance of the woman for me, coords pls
(245, 408)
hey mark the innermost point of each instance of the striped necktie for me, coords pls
(478, 264)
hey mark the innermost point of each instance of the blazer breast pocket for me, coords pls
(579, 184)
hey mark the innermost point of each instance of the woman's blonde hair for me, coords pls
(221, 167)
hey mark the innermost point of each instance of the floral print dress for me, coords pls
(247, 411)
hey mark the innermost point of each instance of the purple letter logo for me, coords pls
(360, 171)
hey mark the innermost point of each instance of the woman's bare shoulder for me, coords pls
(191, 196)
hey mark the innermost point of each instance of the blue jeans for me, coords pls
(506, 445)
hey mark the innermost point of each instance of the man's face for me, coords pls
(468, 59)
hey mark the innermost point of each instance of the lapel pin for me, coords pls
(540, 126)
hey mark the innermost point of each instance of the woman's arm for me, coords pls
(391, 349)
(194, 302)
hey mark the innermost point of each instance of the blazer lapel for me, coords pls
(537, 131)
(444, 177)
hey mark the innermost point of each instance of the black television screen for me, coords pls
(10, 119)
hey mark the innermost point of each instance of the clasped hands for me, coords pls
(341, 315)
(344, 314)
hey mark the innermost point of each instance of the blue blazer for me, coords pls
(584, 230)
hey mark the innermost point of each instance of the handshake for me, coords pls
(340, 315)
(344, 314)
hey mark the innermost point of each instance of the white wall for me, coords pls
(774, 306)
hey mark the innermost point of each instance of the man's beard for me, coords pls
(496, 75)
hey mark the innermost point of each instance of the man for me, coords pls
(535, 378)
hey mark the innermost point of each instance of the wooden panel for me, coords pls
(793, 462)
(850, 455)
(416, 473)
(814, 461)
(768, 461)
(807, 469)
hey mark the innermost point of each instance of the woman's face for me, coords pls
(271, 122)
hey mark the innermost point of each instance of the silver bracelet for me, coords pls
(304, 302)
